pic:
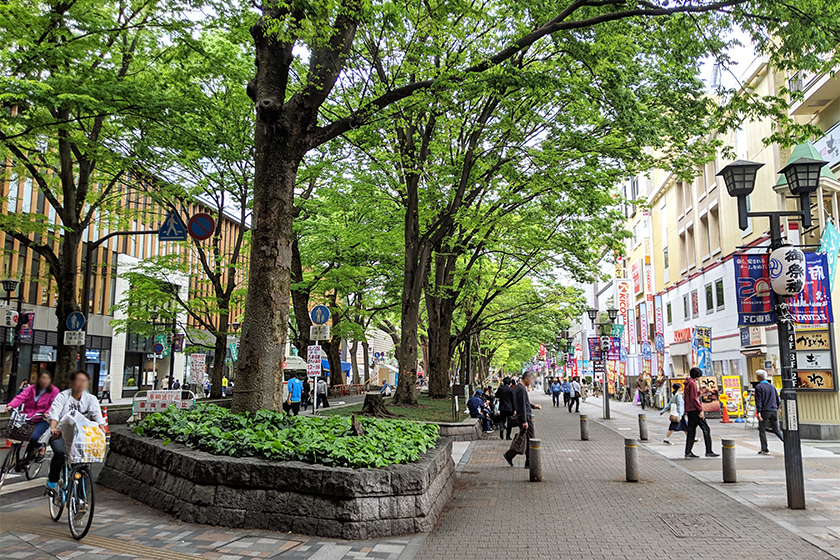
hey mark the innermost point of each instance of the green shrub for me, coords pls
(280, 437)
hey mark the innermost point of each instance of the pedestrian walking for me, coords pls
(695, 417)
(224, 386)
(642, 384)
(295, 390)
(306, 393)
(556, 389)
(522, 408)
(565, 388)
(574, 395)
(207, 389)
(106, 389)
(321, 393)
(505, 396)
(175, 386)
(767, 409)
(675, 408)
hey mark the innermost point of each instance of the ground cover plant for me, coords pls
(280, 437)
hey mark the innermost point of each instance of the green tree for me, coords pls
(76, 79)
(326, 69)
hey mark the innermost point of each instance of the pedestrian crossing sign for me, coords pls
(172, 228)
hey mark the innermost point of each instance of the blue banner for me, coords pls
(756, 301)
(812, 306)
(829, 246)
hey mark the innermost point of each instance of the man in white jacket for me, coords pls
(76, 398)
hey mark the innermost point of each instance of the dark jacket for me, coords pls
(505, 396)
(521, 402)
(691, 393)
(766, 397)
(475, 405)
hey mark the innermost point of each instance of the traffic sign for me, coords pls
(172, 228)
(74, 338)
(166, 345)
(75, 321)
(201, 226)
(319, 332)
(320, 314)
(157, 348)
(376, 355)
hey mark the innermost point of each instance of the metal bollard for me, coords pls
(729, 472)
(534, 460)
(631, 460)
(643, 427)
(584, 427)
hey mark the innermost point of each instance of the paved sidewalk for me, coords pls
(584, 510)
(761, 478)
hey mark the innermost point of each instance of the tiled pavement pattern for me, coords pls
(761, 479)
(584, 510)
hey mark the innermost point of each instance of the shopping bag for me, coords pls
(672, 413)
(520, 440)
(84, 440)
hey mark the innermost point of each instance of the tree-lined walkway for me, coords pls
(583, 508)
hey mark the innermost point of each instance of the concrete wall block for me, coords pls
(231, 518)
(354, 531)
(300, 504)
(240, 498)
(305, 525)
(387, 507)
(276, 501)
(330, 528)
(324, 508)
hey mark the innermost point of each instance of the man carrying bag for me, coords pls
(522, 408)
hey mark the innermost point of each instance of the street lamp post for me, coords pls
(802, 177)
(612, 313)
(11, 285)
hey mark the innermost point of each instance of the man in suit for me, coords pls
(522, 408)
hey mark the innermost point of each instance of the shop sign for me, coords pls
(682, 335)
(594, 347)
(809, 359)
(822, 380)
(197, 368)
(27, 327)
(732, 390)
(623, 298)
(709, 393)
(44, 354)
(643, 320)
(813, 304)
(659, 318)
(812, 340)
(649, 290)
(636, 276)
(756, 302)
(752, 336)
(695, 304)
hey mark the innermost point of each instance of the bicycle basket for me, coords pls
(18, 428)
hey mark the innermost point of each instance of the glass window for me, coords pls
(14, 191)
(710, 299)
(668, 313)
(686, 307)
(719, 293)
(27, 195)
(665, 259)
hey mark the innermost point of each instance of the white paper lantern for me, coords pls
(787, 270)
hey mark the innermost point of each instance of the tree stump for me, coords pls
(356, 427)
(374, 405)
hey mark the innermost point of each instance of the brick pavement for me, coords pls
(583, 509)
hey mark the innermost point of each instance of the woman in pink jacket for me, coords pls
(36, 399)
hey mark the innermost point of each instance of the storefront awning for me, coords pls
(680, 349)
(756, 351)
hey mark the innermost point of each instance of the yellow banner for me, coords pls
(732, 390)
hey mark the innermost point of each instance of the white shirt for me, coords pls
(574, 387)
(87, 404)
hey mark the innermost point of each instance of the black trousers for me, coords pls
(566, 398)
(574, 401)
(694, 421)
(322, 401)
(770, 419)
(510, 454)
(59, 454)
(505, 423)
(555, 399)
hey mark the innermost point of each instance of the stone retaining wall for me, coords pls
(198, 487)
(468, 430)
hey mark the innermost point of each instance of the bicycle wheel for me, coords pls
(8, 462)
(80, 503)
(34, 467)
(57, 500)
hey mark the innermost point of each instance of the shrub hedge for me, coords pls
(281, 437)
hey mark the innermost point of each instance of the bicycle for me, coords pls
(78, 497)
(16, 459)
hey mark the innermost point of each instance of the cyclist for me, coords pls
(75, 398)
(36, 400)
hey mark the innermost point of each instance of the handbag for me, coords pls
(519, 442)
(683, 426)
(577, 394)
(672, 414)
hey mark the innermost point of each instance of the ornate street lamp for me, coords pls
(9, 284)
(803, 178)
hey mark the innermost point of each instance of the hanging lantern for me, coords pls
(787, 270)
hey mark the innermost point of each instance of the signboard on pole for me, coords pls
(197, 368)
(756, 303)
(201, 226)
(319, 332)
(74, 338)
(172, 228)
(732, 390)
(313, 360)
(75, 321)
(320, 314)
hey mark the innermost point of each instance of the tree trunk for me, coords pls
(66, 359)
(219, 353)
(366, 357)
(374, 405)
(354, 349)
(424, 355)
(300, 302)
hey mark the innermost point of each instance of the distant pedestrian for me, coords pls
(556, 389)
(643, 385)
(306, 392)
(566, 396)
(224, 386)
(207, 389)
(574, 395)
(695, 416)
(675, 409)
(106, 389)
(321, 393)
(176, 385)
(386, 389)
(295, 388)
(767, 409)
(504, 394)
(165, 384)
(522, 408)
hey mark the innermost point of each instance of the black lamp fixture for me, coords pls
(613, 313)
(593, 314)
(803, 178)
(739, 177)
(234, 325)
(10, 284)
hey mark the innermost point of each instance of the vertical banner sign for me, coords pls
(542, 350)
(702, 348)
(659, 318)
(812, 306)
(631, 338)
(829, 246)
(756, 302)
(643, 321)
(622, 287)
(636, 276)
(732, 389)
(594, 347)
(313, 360)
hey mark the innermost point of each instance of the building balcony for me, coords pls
(819, 91)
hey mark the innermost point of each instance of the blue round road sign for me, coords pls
(75, 321)
(320, 314)
(201, 226)
(157, 348)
